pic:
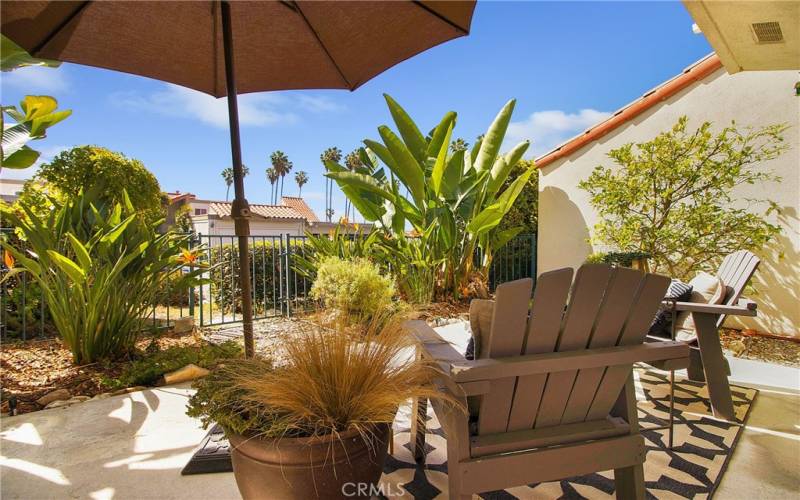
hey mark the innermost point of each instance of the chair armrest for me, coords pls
(533, 364)
(434, 348)
(744, 307)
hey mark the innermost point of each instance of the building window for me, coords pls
(200, 211)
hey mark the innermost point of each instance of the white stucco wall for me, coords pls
(258, 227)
(754, 99)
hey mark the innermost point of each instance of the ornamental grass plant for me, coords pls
(331, 380)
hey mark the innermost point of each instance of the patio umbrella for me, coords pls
(220, 48)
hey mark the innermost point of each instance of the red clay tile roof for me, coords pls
(266, 211)
(300, 205)
(690, 75)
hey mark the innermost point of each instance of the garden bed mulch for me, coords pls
(746, 345)
(31, 369)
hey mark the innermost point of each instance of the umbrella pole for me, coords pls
(240, 210)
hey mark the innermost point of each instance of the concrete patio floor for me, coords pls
(134, 446)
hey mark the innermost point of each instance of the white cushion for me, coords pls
(706, 289)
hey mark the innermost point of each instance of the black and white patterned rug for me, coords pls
(691, 469)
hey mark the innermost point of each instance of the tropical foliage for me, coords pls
(35, 115)
(672, 197)
(100, 266)
(453, 202)
(525, 211)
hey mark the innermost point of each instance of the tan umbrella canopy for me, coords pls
(279, 45)
(222, 47)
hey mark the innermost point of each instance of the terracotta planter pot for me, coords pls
(300, 468)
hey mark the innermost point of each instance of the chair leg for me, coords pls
(671, 406)
(454, 484)
(629, 483)
(419, 416)
(719, 391)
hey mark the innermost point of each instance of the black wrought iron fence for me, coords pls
(515, 260)
(277, 288)
(24, 314)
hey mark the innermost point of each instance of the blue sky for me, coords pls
(568, 64)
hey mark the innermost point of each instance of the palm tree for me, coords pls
(272, 177)
(300, 178)
(281, 164)
(227, 174)
(333, 154)
(352, 161)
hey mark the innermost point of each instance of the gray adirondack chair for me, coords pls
(735, 272)
(554, 388)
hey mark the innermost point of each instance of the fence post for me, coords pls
(191, 268)
(200, 241)
(533, 256)
(288, 275)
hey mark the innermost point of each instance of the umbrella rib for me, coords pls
(63, 24)
(439, 16)
(322, 45)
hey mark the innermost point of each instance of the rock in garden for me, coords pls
(57, 395)
(188, 372)
(182, 325)
(738, 347)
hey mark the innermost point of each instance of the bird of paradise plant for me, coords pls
(453, 201)
(100, 268)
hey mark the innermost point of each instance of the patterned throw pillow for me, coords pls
(679, 292)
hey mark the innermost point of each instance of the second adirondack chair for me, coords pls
(553, 388)
(708, 362)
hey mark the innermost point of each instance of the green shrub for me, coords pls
(221, 399)
(147, 370)
(105, 172)
(101, 267)
(354, 288)
(674, 195)
(624, 259)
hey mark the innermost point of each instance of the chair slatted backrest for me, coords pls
(607, 306)
(735, 272)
